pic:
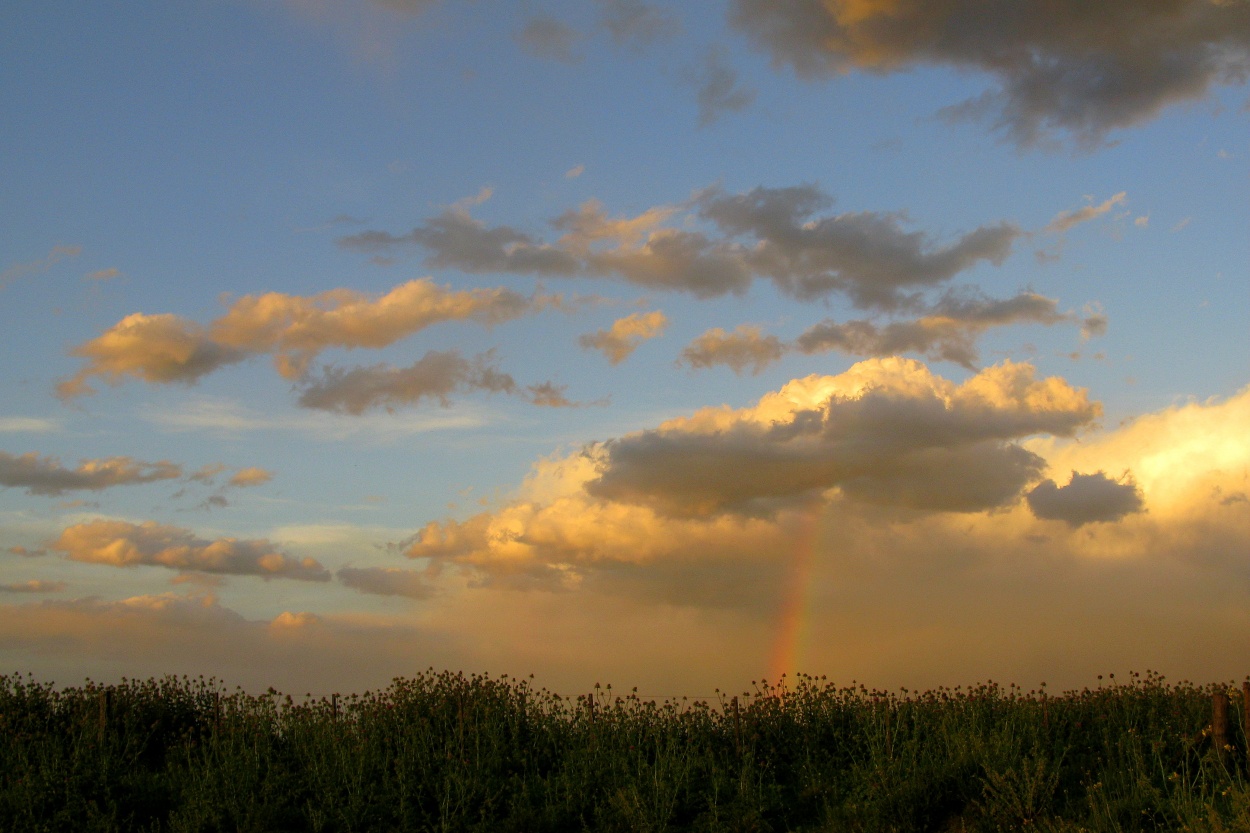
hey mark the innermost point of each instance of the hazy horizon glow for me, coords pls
(621, 342)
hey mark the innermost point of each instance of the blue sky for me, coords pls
(349, 338)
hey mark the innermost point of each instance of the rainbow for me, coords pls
(792, 618)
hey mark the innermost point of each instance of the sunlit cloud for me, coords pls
(46, 476)
(623, 337)
(1066, 220)
(387, 581)
(166, 348)
(124, 544)
(251, 476)
(745, 347)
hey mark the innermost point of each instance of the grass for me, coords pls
(449, 752)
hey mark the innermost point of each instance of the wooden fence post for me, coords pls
(334, 706)
(1219, 722)
(106, 697)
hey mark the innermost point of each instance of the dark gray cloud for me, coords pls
(717, 89)
(868, 256)
(456, 240)
(1067, 66)
(436, 375)
(46, 476)
(948, 332)
(895, 435)
(770, 233)
(548, 38)
(1088, 498)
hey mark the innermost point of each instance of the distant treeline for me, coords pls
(449, 752)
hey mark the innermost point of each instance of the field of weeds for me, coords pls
(449, 752)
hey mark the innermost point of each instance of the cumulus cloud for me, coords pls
(387, 581)
(55, 255)
(46, 476)
(775, 234)
(887, 431)
(34, 586)
(295, 329)
(637, 25)
(435, 375)
(251, 476)
(547, 38)
(623, 337)
(717, 89)
(25, 552)
(124, 544)
(721, 490)
(1065, 66)
(745, 347)
(1065, 220)
(1088, 498)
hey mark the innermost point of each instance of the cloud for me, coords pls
(206, 474)
(770, 233)
(1088, 498)
(55, 255)
(885, 432)
(575, 171)
(26, 552)
(435, 375)
(166, 348)
(224, 417)
(251, 476)
(949, 331)
(103, 274)
(745, 347)
(34, 586)
(719, 492)
(717, 87)
(636, 25)
(1065, 220)
(124, 544)
(456, 240)
(551, 395)
(46, 476)
(623, 337)
(867, 255)
(387, 581)
(1061, 67)
(32, 425)
(159, 349)
(547, 38)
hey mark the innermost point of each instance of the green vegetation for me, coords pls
(446, 752)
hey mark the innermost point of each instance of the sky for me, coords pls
(662, 345)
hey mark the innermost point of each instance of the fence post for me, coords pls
(334, 706)
(1219, 722)
(106, 697)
